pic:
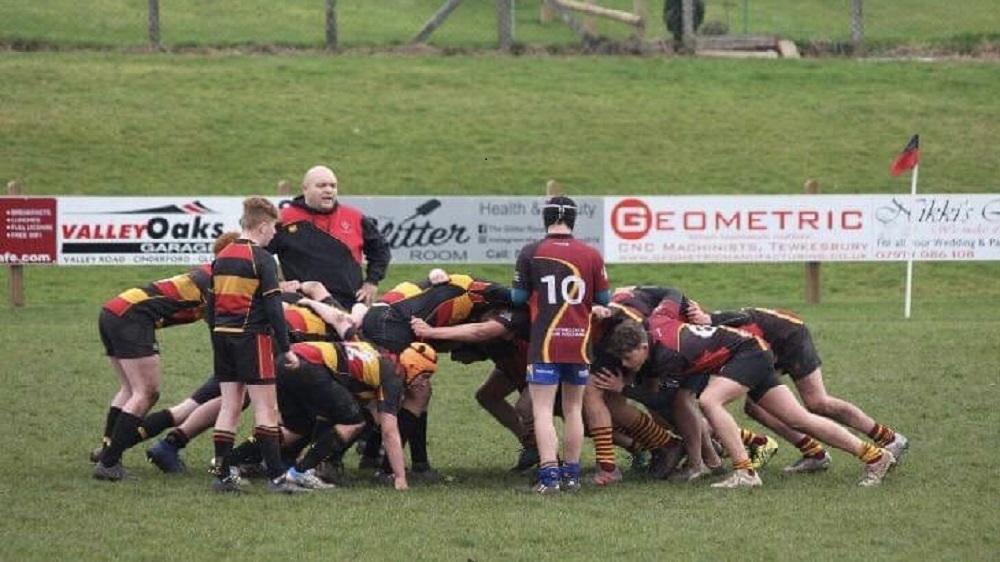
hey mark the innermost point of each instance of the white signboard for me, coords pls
(431, 230)
(802, 228)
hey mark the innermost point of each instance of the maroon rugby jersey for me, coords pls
(561, 275)
(693, 349)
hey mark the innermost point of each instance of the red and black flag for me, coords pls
(907, 159)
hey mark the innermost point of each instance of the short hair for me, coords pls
(626, 336)
(224, 239)
(559, 209)
(257, 211)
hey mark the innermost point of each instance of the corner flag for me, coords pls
(907, 159)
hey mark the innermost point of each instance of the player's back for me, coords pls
(563, 275)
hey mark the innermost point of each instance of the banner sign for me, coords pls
(442, 230)
(797, 228)
(27, 230)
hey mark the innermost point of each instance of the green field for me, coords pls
(225, 124)
(300, 23)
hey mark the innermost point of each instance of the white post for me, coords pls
(909, 263)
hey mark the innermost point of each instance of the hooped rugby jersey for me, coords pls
(176, 300)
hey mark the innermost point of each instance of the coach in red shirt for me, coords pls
(321, 239)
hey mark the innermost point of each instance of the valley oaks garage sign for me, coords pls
(442, 230)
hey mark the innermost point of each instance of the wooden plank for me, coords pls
(812, 267)
(617, 15)
(16, 271)
(505, 24)
(737, 54)
(738, 42)
(436, 20)
(569, 20)
(154, 24)
(788, 49)
(331, 25)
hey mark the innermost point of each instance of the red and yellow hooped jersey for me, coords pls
(176, 300)
(445, 304)
(305, 325)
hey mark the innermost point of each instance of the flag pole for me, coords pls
(909, 262)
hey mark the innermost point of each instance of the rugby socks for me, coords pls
(810, 447)
(156, 423)
(751, 438)
(125, 435)
(882, 434)
(528, 439)
(743, 465)
(269, 440)
(109, 425)
(247, 452)
(223, 441)
(869, 453)
(177, 438)
(418, 444)
(604, 448)
(323, 441)
(648, 434)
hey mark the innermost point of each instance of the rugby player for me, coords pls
(128, 325)
(247, 324)
(738, 364)
(560, 279)
(795, 354)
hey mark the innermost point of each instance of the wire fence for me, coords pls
(960, 25)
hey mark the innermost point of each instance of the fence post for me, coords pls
(640, 9)
(284, 188)
(687, 20)
(505, 24)
(16, 270)
(331, 25)
(545, 13)
(154, 24)
(812, 267)
(857, 26)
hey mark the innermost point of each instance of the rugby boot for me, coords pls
(898, 446)
(112, 473)
(166, 457)
(740, 479)
(761, 454)
(806, 465)
(874, 472)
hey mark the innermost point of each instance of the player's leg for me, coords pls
(719, 392)
(543, 383)
(780, 401)
(574, 383)
(492, 397)
(118, 401)
(819, 401)
(601, 429)
(143, 375)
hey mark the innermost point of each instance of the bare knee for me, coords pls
(818, 404)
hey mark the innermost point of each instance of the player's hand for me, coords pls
(366, 294)
(290, 286)
(695, 315)
(606, 380)
(291, 360)
(600, 312)
(420, 327)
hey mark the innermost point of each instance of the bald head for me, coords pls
(319, 188)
